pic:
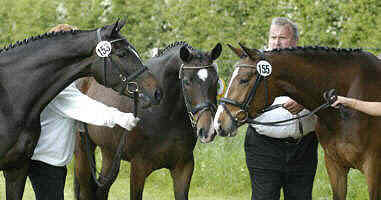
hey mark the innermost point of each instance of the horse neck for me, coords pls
(166, 68)
(41, 69)
(304, 78)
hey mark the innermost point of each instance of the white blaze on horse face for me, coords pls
(202, 74)
(220, 109)
(217, 125)
(235, 73)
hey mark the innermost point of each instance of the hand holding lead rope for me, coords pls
(331, 97)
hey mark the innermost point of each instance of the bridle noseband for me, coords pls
(199, 108)
(329, 98)
(126, 80)
(244, 106)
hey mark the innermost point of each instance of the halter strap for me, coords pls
(199, 108)
(244, 106)
(328, 96)
(125, 78)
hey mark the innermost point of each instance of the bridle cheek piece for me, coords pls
(244, 106)
(199, 108)
(125, 79)
(328, 96)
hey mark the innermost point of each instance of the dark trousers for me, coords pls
(48, 181)
(274, 164)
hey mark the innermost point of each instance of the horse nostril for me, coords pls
(158, 95)
(201, 133)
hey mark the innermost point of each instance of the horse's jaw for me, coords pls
(206, 135)
(223, 124)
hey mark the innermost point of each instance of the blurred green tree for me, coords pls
(201, 23)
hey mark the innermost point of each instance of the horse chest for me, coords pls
(343, 146)
(345, 150)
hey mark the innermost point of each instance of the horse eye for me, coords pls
(243, 81)
(121, 54)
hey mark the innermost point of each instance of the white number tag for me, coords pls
(103, 49)
(264, 68)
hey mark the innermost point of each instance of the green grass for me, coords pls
(220, 174)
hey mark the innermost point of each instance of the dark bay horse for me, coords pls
(350, 139)
(165, 137)
(35, 70)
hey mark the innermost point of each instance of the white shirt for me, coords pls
(287, 129)
(58, 124)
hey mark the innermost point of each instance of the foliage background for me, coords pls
(220, 167)
(202, 23)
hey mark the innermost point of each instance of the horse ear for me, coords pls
(118, 26)
(216, 52)
(237, 51)
(113, 29)
(250, 52)
(185, 54)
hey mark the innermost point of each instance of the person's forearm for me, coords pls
(371, 108)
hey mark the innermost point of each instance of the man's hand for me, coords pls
(293, 107)
(126, 120)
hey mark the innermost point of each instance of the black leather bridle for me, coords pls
(199, 108)
(329, 96)
(125, 79)
(244, 106)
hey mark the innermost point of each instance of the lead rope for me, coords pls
(301, 131)
(105, 70)
(113, 173)
(111, 176)
(85, 139)
(329, 96)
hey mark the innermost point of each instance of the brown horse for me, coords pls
(165, 137)
(350, 139)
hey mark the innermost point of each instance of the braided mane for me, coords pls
(173, 45)
(319, 48)
(37, 38)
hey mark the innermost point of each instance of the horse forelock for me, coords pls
(40, 37)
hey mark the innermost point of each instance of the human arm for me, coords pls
(308, 122)
(371, 108)
(293, 107)
(72, 103)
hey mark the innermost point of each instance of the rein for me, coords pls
(126, 81)
(113, 173)
(245, 105)
(199, 108)
(329, 96)
(124, 77)
(274, 123)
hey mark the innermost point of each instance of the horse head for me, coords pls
(198, 75)
(119, 66)
(251, 78)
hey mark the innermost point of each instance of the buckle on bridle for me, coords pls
(132, 87)
(246, 116)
